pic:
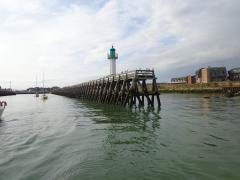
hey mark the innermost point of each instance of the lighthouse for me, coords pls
(112, 57)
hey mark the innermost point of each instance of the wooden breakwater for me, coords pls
(231, 91)
(213, 87)
(128, 88)
(5, 92)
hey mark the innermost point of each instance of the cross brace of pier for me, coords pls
(128, 88)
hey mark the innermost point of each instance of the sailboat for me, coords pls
(36, 88)
(44, 96)
(3, 104)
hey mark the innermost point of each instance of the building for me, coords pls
(191, 79)
(184, 80)
(179, 80)
(218, 73)
(211, 74)
(234, 74)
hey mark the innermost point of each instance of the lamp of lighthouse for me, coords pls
(113, 54)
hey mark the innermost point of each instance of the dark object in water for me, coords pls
(229, 93)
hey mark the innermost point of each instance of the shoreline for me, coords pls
(193, 91)
(214, 87)
(6, 93)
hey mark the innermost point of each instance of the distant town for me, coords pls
(208, 75)
(206, 80)
(32, 90)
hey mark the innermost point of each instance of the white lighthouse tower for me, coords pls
(112, 57)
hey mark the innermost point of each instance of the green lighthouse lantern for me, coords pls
(112, 53)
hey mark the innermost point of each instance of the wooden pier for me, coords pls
(129, 88)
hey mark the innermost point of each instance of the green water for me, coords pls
(192, 137)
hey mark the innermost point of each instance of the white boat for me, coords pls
(36, 88)
(1, 111)
(44, 96)
(3, 104)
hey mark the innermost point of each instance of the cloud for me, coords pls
(69, 40)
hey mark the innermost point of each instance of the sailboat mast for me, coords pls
(36, 82)
(44, 97)
(43, 84)
(36, 87)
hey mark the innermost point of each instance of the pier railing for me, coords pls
(127, 88)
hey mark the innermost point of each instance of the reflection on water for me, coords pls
(123, 126)
(205, 105)
(65, 138)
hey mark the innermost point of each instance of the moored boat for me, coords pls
(44, 97)
(3, 104)
(36, 88)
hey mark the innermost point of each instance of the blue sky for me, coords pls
(69, 40)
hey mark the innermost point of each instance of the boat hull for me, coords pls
(44, 97)
(1, 111)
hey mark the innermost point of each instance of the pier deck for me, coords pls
(128, 88)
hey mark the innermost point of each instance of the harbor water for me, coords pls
(193, 136)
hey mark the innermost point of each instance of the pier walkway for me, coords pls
(128, 88)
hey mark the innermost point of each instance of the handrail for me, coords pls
(139, 73)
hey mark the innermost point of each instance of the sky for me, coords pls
(68, 40)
